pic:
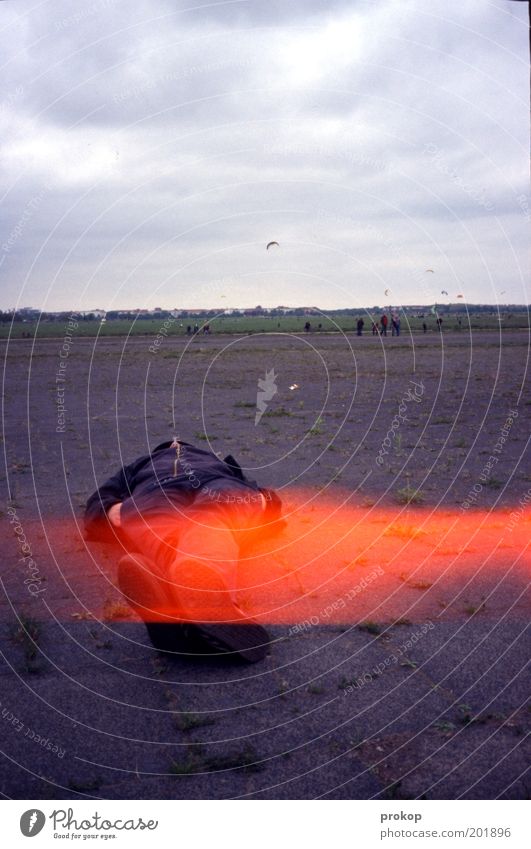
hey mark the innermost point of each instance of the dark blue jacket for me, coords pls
(158, 480)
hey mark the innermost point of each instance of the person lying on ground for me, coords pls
(182, 515)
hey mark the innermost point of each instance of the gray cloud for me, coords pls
(166, 146)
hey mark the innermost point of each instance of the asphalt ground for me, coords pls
(396, 596)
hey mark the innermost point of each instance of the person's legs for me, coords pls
(166, 544)
(204, 569)
(145, 593)
(206, 562)
(188, 573)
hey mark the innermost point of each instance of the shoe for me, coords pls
(175, 619)
(207, 603)
(144, 592)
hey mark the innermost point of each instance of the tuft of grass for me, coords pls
(404, 532)
(345, 682)
(186, 767)
(444, 725)
(98, 642)
(281, 411)
(245, 760)
(316, 689)
(202, 436)
(245, 404)
(409, 495)
(20, 466)
(159, 665)
(26, 634)
(317, 427)
(483, 718)
(80, 785)
(408, 662)
(471, 609)
(187, 721)
(370, 627)
(393, 791)
(419, 585)
(465, 713)
(116, 610)
(358, 561)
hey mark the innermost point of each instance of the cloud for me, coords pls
(168, 144)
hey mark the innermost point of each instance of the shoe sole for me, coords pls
(235, 635)
(207, 603)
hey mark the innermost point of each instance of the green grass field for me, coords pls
(257, 324)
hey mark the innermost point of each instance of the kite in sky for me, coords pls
(386, 293)
(430, 270)
(444, 292)
(269, 244)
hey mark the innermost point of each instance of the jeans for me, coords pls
(207, 530)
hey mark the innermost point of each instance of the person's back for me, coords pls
(183, 512)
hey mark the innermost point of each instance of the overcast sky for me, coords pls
(152, 148)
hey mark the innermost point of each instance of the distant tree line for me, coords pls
(202, 314)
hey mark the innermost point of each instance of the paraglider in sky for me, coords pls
(386, 293)
(430, 270)
(444, 292)
(269, 244)
(460, 296)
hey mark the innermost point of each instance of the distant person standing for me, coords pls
(424, 327)
(359, 326)
(307, 327)
(383, 322)
(374, 329)
(196, 329)
(439, 324)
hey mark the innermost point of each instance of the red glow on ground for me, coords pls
(347, 564)
(333, 564)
